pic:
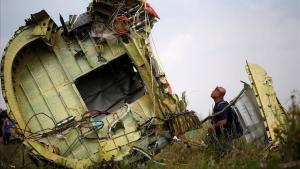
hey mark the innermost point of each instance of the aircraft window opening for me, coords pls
(111, 86)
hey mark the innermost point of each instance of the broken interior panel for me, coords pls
(111, 86)
(250, 117)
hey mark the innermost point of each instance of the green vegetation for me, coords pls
(198, 151)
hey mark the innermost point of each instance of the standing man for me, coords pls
(221, 120)
(6, 129)
(2, 117)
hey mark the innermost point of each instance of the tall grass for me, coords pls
(189, 155)
(195, 150)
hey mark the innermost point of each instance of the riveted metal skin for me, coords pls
(273, 113)
(39, 69)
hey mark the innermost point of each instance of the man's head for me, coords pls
(218, 93)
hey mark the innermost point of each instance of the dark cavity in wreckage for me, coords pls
(93, 90)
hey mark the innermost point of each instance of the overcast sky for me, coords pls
(204, 43)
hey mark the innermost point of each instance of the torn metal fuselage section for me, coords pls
(260, 113)
(273, 113)
(250, 116)
(92, 89)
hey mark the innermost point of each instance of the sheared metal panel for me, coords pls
(272, 111)
(250, 116)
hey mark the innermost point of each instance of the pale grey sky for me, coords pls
(204, 43)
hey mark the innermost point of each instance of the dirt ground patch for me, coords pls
(12, 155)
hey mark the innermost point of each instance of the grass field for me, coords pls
(181, 155)
(196, 151)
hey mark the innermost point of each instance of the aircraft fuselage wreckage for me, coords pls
(93, 90)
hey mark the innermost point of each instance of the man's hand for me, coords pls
(219, 123)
